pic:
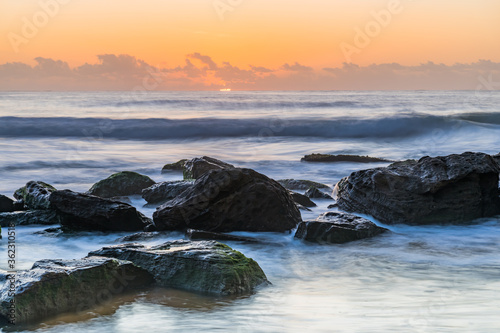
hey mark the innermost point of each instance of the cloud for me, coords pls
(201, 72)
(296, 67)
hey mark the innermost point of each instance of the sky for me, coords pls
(249, 44)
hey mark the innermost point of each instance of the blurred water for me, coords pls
(413, 279)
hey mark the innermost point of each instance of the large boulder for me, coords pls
(88, 212)
(35, 195)
(230, 200)
(202, 266)
(164, 191)
(52, 287)
(41, 216)
(121, 184)
(197, 167)
(301, 184)
(6, 204)
(445, 189)
(337, 228)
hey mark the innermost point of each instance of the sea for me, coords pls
(413, 279)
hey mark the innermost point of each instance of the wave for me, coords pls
(208, 104)
(400, 126)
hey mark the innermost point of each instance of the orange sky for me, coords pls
(251, 32)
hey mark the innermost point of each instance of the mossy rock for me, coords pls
(35, 194)
(53, 287)
(121, 184)
(207, 267)
(177, 166)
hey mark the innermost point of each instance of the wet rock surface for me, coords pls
(162, 192)
(444, 189)
(121, 184)
(337, 228)
(197, 167)
(202, 266)
(88, 212)
(55, 286)
(230, 200)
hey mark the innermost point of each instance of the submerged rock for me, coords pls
(121, 184)
(52, 287)
(40, 216)
(35, 195)
(161, 192)
(88, 212)
(314, 193)
(445, 189)
(197, 167)
(230, 200)
(204, 235)
(302, 199)
(342, 158)
(300, 184)
(141, 236)
(177, 166)
(202, 266)
(337, 228)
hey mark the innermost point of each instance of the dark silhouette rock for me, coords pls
(202, 266)
(6, 204)
(53, 287)
(121, 184)
(342, 158)
(445, 189)
(197, 167)
(337, 228)
(302, 199)
(300, 184)
(40, 216)
(88, 212)
(230, 200)
(162, 192)
(314, 193)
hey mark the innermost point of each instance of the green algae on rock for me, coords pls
(121, 184)
(202, 266)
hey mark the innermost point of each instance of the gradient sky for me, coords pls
(259, 33)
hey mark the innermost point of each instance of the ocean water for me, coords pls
(413, 279)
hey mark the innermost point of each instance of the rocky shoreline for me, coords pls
(215, 198)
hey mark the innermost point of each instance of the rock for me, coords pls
(314, 193)
(342, 158)
(337, 228)
(40, 216)
(88, 212)
(162, 192)
(335, 205)
(300, 184)
(300, 207)
(230, 200)
(53, 287)
(204, 235)
(141, 236)
(121, 184)
(50, 232)
(497, 158)
(197, 167)
(202, 266)
(35, 195)
(177, 166)
(6, 204)
(449, 189)
(302, 199)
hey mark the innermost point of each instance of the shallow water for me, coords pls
(413, 279)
